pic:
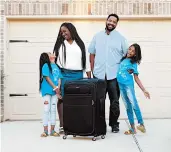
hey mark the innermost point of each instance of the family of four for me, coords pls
(110, 59)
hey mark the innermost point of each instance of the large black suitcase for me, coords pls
(84, 108)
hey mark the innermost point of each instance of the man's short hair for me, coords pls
(114, 15)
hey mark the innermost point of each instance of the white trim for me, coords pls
(89, 17)
(7, 106)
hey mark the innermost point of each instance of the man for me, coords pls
(106, 50)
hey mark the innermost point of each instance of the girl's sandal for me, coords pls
(54, 133)
(44, 134)
(130, 132)
(141, 128)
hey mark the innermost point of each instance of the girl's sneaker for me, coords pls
(44, 134)
(141, 128)
(54, 133)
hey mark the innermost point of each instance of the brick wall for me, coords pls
(73, 7)
(1, 60)
(88, 7)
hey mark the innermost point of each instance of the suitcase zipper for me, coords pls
(92, 102)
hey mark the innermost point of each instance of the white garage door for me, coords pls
(24, 101)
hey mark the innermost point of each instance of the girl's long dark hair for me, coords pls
(74, 36)
(137, 58)
(44, 58)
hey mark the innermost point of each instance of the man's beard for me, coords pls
(109, 29)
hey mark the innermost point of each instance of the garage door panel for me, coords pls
(157, 111)
(163, 67)
(146, 29)
(163, 92)
(21, 107)
(23, 53)
(163, 54)
(34, 29)
(24, 68)
(163, 107)
(24, 83)
(147, 74)
(156, 107)
(137, 26)
(28, 52)
(163, 79)
(148, 53)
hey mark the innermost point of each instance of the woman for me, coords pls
(72, 58)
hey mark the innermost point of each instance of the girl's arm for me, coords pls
(138, 81)
(50, 82)
(56, 88)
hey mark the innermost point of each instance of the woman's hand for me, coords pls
(57, 90)
(88, 74)
(58, 93)
(59, 96)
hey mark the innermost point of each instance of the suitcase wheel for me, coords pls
(94, 139)
(103, 136)
(65, 137)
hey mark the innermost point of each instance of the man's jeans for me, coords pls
(131, 104)
(114, 93)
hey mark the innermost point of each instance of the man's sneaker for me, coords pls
(115, 128)
(61, 130)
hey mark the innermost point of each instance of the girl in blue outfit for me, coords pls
(50, 81)
(126, 85)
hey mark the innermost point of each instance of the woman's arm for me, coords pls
(88, 69)
(138, 81)
(58, 92)
(59, 83)
(92, 56)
